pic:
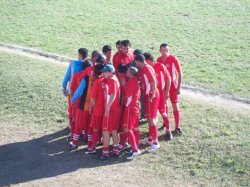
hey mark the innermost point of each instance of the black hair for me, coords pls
(83, 52)
(126, 43)
(97, 69)
(133, 70)
(140, 58)
(137, 52)
(106, 48)
(101, 59)
(86, 64)
(118, 42)
(148, 56)
(122, 68)
(163, 45)
(95, 54)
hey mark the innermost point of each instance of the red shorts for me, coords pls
(111, 122)
(151, 108)
(130, 119)
(174, 98)
(82, 119)
(96, 122)
(162, 102)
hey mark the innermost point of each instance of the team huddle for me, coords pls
(107, 96)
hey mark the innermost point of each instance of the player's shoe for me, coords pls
(178, 131)
(116, 155)
(104, 157)
(89, 152)
(146, 142)
(162, 127)
(72, 146)
(133, 155)
(154, 147)
(122, 148)
(129, 150)
(169, 136)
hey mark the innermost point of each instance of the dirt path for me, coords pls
(204, 95)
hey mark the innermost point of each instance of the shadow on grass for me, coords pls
(44, 157)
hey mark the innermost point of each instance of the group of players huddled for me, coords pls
(107, 96)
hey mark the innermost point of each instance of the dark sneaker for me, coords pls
(116, 155)
(68, 139)
(129, 150)
(89, 152)
(169, 136)
(162, 127)
(72, 147)
(178, 131)
(122, 148)
(133, 155)
(104, 157)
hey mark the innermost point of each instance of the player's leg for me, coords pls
(153, 130)
(174, 98)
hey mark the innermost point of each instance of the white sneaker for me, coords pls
(133, 155)
(154, 147)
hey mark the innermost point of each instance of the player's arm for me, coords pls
(179, 75)
(93, 97)
(66, 79)
(78, 93)
(168, 83)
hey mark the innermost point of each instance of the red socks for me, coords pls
(153, 132)
(132, 141)
(115, 149)
(95, 138)
(123, 139)
(177, 118)
(166, 123)
(137, 136)
(105, 151)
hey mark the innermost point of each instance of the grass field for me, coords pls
(211, 38)
(214, 151)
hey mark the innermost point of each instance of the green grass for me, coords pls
(213, 151)
(209, 37)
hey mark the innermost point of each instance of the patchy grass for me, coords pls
(213, 151)
(209, 37)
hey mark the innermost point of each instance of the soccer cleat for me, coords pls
(169, 136)
(122, 148)
(154, 147)
(116, 155)
(146, 142)
(178, 131)
(72, 147)
(162, 127)
(104, 157)
(129, 150)
(89, 152)
(133, 155)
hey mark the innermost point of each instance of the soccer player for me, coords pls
(75, 66)
(130, 116)
(151, 99)
(82, 114)
(125, 56)
(97, 106)
(118, 47)
(107, 51)
(83, 120)
(94, 55)
(163, 85)
(173, 66)
(112, 111)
